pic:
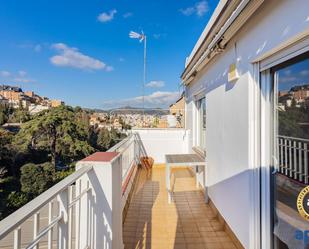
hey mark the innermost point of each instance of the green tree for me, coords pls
(16, 200)
(104, 140)
(6, 150)
(19, 116)
(36, 178)
(3, 114)
(8, 184)
(124, 125)
(58, 131)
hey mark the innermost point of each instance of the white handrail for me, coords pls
(43, 232)
(127, 150)
(293, 154)
(118, 145)
(294, 138)
(18, 217)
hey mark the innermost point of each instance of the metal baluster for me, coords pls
(88, 216)
(300, 159)
(63, 223)
(296, 172)
(281, 155)
(17, 238)
(92, 229)
(286, 156)
(290, 159)
(70, 228)
(77, 213)
(50, 232)
(36, 228)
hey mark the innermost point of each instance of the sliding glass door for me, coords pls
(290, 152)
(201, 139)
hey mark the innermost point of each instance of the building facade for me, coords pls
(249, 53)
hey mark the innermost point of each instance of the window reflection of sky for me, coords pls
(294, 75)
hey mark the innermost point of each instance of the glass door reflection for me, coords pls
(290, 152)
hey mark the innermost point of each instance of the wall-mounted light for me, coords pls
(233, 74)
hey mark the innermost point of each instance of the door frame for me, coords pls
(267, 143)
(284, 52)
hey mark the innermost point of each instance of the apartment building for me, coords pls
(30, 94)
(178, 110)
(300, 93)
(250, 56)
(3, 101)
(242, 158)
(56, 102)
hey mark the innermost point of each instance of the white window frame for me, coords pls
(197, 97)
(292, 48)
(198, 121)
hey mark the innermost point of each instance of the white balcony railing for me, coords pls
(293, 156)
(82, 211)
(62, 220)
(130, 151)
(85, 210)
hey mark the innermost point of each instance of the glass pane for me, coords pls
(291, 100)
(202, 123)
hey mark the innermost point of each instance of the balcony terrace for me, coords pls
(188, 222)
(111, 202)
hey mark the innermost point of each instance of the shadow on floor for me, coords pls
(153, 223)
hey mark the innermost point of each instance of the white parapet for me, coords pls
(100, 224)
(159, 142)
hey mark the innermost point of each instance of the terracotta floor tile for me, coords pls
(153, 223)
(213, 245)
(196, 246)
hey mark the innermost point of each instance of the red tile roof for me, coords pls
(101, 157)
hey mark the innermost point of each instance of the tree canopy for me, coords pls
(36, 178)
(58, 131)
(32, 159)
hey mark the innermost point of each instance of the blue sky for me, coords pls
(294, 75)
(79, 51)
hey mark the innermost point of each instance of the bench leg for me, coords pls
(196, 176)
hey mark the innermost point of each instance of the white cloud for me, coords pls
(19, 77)
(188, 11)
(72, 57)
(156, 99)
(304, 72)
(22, 73)
(23, 80)
(127, 15)
(35, 47)
(155, 84)
(106, 17)
(5, 73)
(199, 9)
(287, 79)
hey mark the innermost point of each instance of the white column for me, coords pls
(100, 211)
(36, 228)
(63, 223)
(17, 238)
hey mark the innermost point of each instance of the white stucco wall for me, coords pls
(228, 107)
(159, 142)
